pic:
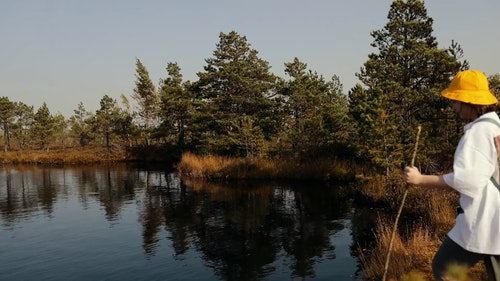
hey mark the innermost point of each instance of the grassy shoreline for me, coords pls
(217, 167)
(63, 156)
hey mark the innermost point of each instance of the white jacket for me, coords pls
(475, 163)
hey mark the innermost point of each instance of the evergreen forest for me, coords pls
(238, 108)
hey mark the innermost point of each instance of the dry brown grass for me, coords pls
(375, 188)
(433, 212)
(408, 256)
(454, 272)
(440, 210)
(218, 167)
(59, 157)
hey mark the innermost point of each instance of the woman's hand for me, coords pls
(412, 175)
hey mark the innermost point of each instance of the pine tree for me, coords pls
(24, 120)
(177, 106)
(403, 83)
(61, 135)
(80, 123)
(106, 119)
(43, 129)
(147, 99)
(6, 118)
(235, 83)
(494, 83)
(316, 110)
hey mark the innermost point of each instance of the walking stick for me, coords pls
(419, 128)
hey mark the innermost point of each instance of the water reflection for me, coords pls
(242, 230)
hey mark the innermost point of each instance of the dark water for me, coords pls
(127, 223)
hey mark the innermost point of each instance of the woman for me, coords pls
(476, 234)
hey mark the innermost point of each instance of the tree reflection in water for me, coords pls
(242, 230)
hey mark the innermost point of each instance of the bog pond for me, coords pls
(123, 222)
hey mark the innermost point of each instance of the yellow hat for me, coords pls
(470, 86)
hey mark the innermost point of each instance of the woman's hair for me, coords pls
(482, 109)
(478, 110)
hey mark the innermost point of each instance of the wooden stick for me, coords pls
(419, 128)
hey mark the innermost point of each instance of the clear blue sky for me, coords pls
(63, 52)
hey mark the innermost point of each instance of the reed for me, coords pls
(435, 211)
(219, 167)
(440, 211)
(61, 156)
(375, 189)
(414, 252)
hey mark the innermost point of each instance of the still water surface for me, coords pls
(126, 223)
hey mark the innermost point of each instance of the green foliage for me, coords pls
(61, 135)
(147, 99)
(246, 137)
(403, 83)
(177, 107)
(494, 83)
(107, 119)
(315, 110)
(24, 116)
(235, 83)
(43, 129)
(6, 118)
(81, 125)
